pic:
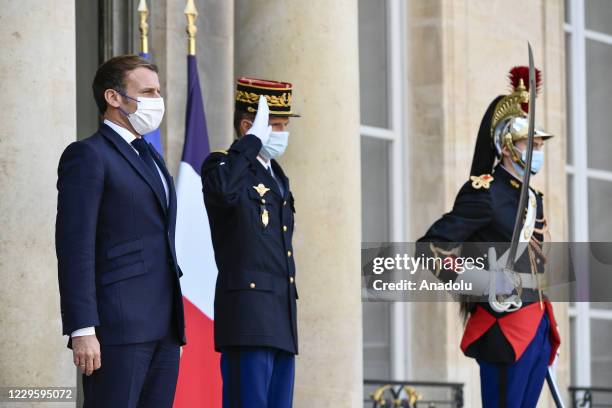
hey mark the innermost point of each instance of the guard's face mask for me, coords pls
(149, 113)
(537, 161)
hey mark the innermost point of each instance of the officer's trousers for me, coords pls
(257, 377)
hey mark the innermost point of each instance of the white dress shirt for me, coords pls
(266, 163)
(129, 138)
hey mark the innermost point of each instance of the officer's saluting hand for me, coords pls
(260, 127)
(251, 213)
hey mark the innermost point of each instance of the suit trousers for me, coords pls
(135, 375)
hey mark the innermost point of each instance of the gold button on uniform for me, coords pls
(285, 202)
(284, 228)
(291, 279)
(252, 285)
(263, 200)
(288, 253)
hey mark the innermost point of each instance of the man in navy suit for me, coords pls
(121, 301)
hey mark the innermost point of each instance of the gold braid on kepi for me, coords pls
(509, 122)
(279, 96)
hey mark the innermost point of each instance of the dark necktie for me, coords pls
(145, 154)
(278, 182)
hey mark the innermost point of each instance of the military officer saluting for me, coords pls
(251, 213)
(514, 340)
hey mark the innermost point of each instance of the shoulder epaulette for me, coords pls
(482, 181)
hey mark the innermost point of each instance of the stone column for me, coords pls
(429, 333)
(314, 45)
(37, 121)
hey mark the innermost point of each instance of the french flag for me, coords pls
(199, 383)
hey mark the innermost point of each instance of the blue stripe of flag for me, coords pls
(153, 137)
(196, 146)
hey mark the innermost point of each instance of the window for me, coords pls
(588, 28)
(383, 177)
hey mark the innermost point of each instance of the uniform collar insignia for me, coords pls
(261, 189)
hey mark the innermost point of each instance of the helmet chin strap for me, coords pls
(516, 157)
(515, 153)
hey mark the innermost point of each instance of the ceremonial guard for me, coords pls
(251, 213)
(510, 329)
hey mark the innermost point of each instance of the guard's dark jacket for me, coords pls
(255, 297)
(484, 215)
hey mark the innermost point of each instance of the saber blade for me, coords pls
(520, 211)
(554, 390)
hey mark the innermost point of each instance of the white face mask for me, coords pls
(275, 145)
(148, 116)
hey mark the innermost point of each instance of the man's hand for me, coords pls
(260, 127)
(86, 353)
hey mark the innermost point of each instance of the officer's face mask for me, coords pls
(275, 146)
(537, 161)
(148, 116)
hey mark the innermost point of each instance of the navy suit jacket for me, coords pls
(114, 239)
(255, 297)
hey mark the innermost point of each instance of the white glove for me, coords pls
(477, 278)
(503, 283)
(260, 127)
(480, 279)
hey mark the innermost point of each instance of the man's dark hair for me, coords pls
(111, 75)
(239, 115)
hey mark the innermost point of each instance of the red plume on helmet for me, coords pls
(522, 73)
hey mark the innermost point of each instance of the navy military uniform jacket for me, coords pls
(483, 215)
(251, 223)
